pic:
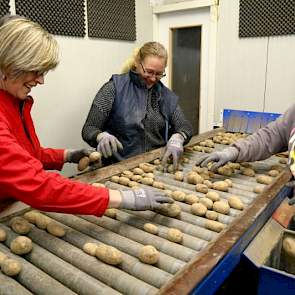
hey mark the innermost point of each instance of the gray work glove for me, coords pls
(220, 158)
(74, 156)
(143, 199)
(108, 144)
(292, 196)
(173, 148)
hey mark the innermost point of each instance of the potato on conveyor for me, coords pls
(149, 175)
(258, 189)
(2, 257)
(248, 172)
(147, 181)
(55, 229)
(212, 215)
(289, 246)
(273, 173)
(127, 173)
(148, 254)
(124, 180)
(235, 202)
(202, 188)
(264, 179)
(31, 216)
(214, 196)
(21, 245)
(108, 254)
(11, 267)
(146, 167)
(151, 228)
(157, 162)
(178, 176)
(171, 210)
(229, 182)
(158, 184)
(112, 213)
(90, 248)
(235, 166)
(115, 178)
(221, 207)
(191, 199)
(3, 235)
(220, 186)
(136, 177)
(42, 221)
(208, 183)
(225, 170)
(207, 202)
(198, 209)
(194, 178)
(138, 171)
(20, 225)
(214, 225)
(168, 192)
(174, 235)
(178, 196)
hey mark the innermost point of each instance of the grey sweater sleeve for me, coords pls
(267, 141)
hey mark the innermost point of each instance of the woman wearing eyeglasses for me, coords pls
(134, 112)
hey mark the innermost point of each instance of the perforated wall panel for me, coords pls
(4, 7)
(112, 19)
(266, 18)
(66, 17)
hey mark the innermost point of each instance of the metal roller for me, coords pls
(9, 286)
(34, 279)
(188, 240)
(147, 273)
(62, 271)
(167, 263)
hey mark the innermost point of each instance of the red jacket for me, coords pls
(22, 164)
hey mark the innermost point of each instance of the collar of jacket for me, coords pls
(14, 100)
(136, 79)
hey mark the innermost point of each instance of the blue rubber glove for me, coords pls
(143, 199)
(220, 158)
(108, 144)
(173, 148)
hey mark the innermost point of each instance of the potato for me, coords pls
(90, 248)
(214, 225)
(264, 179)
(133, 184)
(170, 169)
(97, 184)
(138, 171)
(136, 177)
(235, 166)
(115, 178)
(191, 199)
(221, 207)
(214, 196)
(258, 189)
(94, 156)
(178, 176)
(168, 192)
(198, 209)
(157, 162)
(149, 175)
(108, 254)
(21, 245)
(20, 225)
(225, 170)
(147, 181)
(127, 173)
(31, 216)
(289, 246)
(174, 235)
(42, 221)
(220, 186)
(3, 235)
(194, 178)
(211, 215)
(151, 228)
(248, 172)
(124, 180)
(229, 182)
(146, 167)
(2, 257)
(158, 184)
(178, 196)
(202, 188)
(283, 161)
(148, 254)
(171, 210)
(273, 173)
(112, 213)
(235, 202)
(11, 267)
(207, 202)
(55, 229)
(83, 163)
(208, 183)
(198, 169)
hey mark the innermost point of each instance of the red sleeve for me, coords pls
(52, 159)
(22, 177)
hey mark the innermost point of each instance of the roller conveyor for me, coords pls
(60, 266)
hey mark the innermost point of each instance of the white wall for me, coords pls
(252, 73)
(63, 102)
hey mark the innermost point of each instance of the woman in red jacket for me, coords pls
(27, 52)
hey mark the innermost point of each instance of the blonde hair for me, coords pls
(26, 47)
(139, 54)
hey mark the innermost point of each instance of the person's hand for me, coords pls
(74, 156)
(108, 144)
(173, 148)
(292, 196)
(220, 158)
(143, 199)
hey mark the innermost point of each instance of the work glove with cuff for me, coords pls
(74, 156)
(292, 196)
(229, 154)
(143, 199)
(108, 144)
(173, 148)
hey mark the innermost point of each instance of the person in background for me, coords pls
(276, 137)
(27, 53)
(134, 112)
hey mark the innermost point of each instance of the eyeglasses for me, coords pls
(150, 73)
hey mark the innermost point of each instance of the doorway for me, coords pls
(185, 71)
